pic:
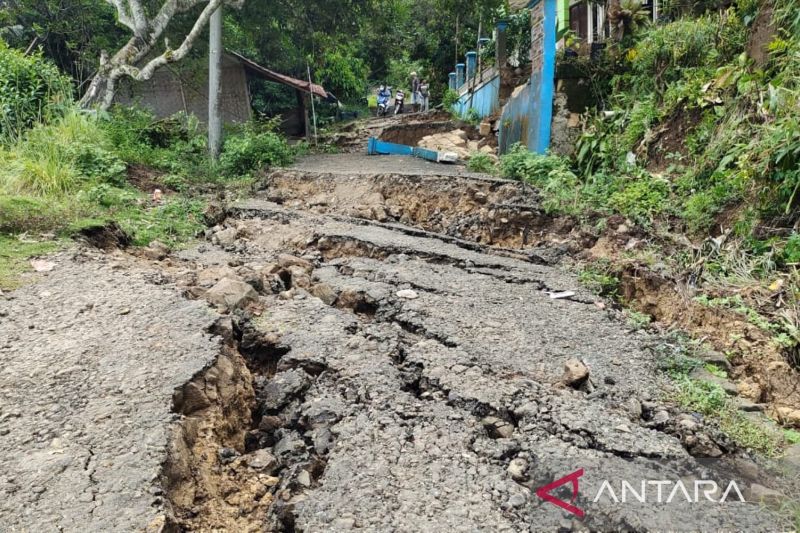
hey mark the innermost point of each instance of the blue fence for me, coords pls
(485, 99)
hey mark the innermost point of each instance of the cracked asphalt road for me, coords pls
(90, 356)
(418, 387)
(483, 338)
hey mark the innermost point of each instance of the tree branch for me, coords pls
(139, 18)
(169, 56)
(123, 15)
(146, 33)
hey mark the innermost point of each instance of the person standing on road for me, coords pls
(416, 98)
(424, 92)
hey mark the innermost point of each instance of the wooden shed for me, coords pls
(171, 91)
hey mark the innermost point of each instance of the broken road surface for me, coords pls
(372, 364)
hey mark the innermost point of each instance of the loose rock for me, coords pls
(261, 460)
(324, 292)
(230, 295)
(518, 469)
(575, 373)
(407, 294)
(286, 261)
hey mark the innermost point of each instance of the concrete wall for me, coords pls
(527, 116)
(169, 92)
(485, 99)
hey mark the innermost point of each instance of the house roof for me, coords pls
(267, 74)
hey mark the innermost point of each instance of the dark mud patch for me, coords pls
(669, 143)
(147, 179)
(106, 237)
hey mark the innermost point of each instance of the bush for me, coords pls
(791, 250)
(665, 51)
(31, 90)
(521, 164)
(480, 162)
(641, 198)
(52, 159)
(256, 147)
(472, 117)
(176, 145)
(559, 186)
(450, 99)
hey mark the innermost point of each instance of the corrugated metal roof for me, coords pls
(271, 75)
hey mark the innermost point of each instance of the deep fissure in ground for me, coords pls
(245, 453)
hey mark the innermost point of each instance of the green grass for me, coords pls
(791, 436)
(599, 278)
(59, 177)
(22, 213)
(174, 223)
(480, 162)
(790, 511)
(637, 320)
(711, 400)
(15, 255)
(55, 159)
(714, 370)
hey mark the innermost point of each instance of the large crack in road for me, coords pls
(365, 370)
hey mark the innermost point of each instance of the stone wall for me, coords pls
(171, 91)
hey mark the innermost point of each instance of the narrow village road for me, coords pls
(364, 345)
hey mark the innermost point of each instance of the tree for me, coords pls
(625, 17)
(147, 32)
(69, 32)
(615, 20)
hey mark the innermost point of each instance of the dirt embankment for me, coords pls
(402, 129)
(488, 211)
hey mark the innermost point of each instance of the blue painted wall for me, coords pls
(485, 100)
(516, 119)
(527, 117)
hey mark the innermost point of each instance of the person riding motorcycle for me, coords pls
(384, 95)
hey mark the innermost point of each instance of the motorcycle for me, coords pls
(399, 99)
(383, 103)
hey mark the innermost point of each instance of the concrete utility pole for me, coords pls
(215, 84)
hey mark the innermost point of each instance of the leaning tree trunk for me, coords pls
(129, 61)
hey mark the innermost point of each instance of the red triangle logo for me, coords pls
(544, 493)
